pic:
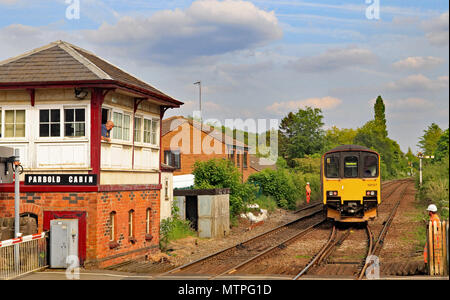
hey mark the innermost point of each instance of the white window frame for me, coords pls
(86, 127)
(158, 124)
(148, 220)
(141, 129)
(131, 223)
(62, 137)
(131, 127)
(38, 119)
(27, 117)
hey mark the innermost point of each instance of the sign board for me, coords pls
(61, 179)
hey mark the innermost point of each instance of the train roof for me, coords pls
(350, 148)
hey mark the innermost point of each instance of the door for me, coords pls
(81, 216)
(63, 242)
(192, 211)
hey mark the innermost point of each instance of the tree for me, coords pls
(429, 141)
(380, 116)
(442, 146)
(335, 137)
(301, 134)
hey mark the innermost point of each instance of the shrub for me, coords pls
(173, 228)
(435, 186)
(219, 173)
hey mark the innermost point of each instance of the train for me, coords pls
(351, 183)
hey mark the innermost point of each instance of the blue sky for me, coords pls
(263, 58)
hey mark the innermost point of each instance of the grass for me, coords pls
(266, 202)
(174, 228)
(303, 256)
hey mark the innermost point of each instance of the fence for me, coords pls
(22, 255)
(437, 243)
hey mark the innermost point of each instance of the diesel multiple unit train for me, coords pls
(351, 183)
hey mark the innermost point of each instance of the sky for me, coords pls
(262, 59)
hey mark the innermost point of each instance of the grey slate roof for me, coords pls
(60, 61)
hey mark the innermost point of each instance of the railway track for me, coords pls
(229, 260)
(382, 235)
(321, 264)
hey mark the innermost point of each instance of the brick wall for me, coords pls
(188, 160)
(98, 207)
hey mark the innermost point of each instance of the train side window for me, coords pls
(332, 167)
(370, 166)
(351, 167)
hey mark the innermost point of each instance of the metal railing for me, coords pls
(437, 252)
(22, 255)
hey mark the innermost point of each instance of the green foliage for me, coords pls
(380, 117)
(374, 136)
(286, 186)
(429, 141)
(266, 202)
(335, 137)
(301, 134)
(219, 173)
(441, 151)
(173, 228)
(435, 185)
(308, 164)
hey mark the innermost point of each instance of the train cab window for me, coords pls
(370, 166)
(332, 167)
(351, 167)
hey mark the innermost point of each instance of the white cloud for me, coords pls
(419, 83)
(418, 62)
(324, 103)
(437, 30)
(206, 28)
(335, 59)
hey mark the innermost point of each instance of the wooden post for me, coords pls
(444, 248)
(430, 248)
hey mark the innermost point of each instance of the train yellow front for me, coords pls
(351, 183)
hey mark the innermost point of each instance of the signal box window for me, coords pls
(49, 123)
(370, 166)
(173, 158)
(332, 167)
(351, 167)
(74, 122)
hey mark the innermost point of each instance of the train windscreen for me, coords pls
(351, 167)
(370, 165)
(332, 166)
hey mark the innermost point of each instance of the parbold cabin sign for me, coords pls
(61, 179)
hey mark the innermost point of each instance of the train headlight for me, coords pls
(371, 193)
(332, 193)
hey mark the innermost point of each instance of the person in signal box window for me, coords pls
(106, 129)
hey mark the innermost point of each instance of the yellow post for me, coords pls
(430, 248)
(444, 248)
(436, 251)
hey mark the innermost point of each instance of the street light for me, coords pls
(200, 95)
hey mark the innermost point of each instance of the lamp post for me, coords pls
(199, 83)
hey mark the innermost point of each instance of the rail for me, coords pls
(237, 246)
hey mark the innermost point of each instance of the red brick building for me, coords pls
(53, 102)
(185, 141)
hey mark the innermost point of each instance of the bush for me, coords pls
(435, 185)
(286, 187)
(219, 173)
